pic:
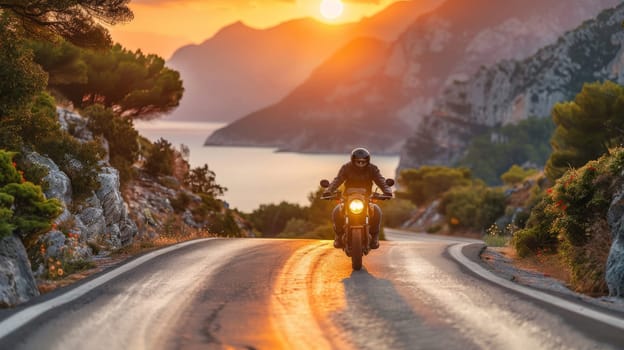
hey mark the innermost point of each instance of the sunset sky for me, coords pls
(162, 26)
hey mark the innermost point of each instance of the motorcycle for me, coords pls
(356, 209)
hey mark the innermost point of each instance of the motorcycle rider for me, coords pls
(358, 173)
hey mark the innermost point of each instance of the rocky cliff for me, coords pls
(512, 90)
(402, 82)
(101, 220)
(17, 284)
(615, 261)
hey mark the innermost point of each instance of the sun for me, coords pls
(331, 9)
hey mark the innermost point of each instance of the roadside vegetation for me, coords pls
(557, 214)
(58, 54)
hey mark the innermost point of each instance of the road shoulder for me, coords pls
(503, 267)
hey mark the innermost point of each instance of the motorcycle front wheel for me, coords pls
(356, 249)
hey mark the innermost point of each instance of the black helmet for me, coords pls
(358, 155)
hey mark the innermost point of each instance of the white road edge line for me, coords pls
(455, 251)
(28, 314)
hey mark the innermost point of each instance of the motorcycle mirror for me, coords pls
(324, 183)
(390, 182)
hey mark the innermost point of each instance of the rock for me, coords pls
(74, 124)
(17, 284)
(513, 90)
(54, 242)
(118, 224)
(615, 261)
(93, 222)
(387, 91)
(427, 218)
(59, 184)
(187, 216)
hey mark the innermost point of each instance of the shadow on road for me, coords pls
(383, 316)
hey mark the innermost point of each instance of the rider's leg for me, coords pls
(338, 219)
(375, 226)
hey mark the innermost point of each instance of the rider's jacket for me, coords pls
(353, 176)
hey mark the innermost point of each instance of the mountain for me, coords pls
(447, 44)
(512, 90)
(242, 69)
(276, 126)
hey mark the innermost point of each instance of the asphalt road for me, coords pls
(302, 294)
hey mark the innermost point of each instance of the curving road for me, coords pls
(302, 294)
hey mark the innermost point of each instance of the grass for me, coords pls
(496, 241)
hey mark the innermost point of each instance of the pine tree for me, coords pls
(586, 127)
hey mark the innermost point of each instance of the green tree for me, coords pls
(586, 127)
(21, 79)
(161, 158)
(427, 183)
(78, 21)
(516, 174)
(473, 207)
(271, 219)
(23, 207)
(62, 61)
(121, 135)
(491, 154)
(131, 83)
(320, 210)
(203, 180)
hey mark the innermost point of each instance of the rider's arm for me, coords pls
(380, 181)
(338, 180)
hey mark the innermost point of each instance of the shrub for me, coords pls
(434, 229)
(396, 212)
(23, 207)
(296, 228)
(424, 184)
(161, 158)
(80, 161)
(180, 202)
(568, 220)
(271, 219)
(224, 224)
(494, 237)
(121, 136)
(202, 180)
(491, 154)
(473, 207)
(516, 175)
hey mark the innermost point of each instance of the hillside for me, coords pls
(241, 69)
(335, 127)
(512, 90)
(446, 44)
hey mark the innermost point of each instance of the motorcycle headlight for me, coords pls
(356, 206)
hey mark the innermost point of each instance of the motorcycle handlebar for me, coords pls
(381, 197)
(373, 196)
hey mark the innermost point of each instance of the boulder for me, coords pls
(90, 219)
(54, 242)
(59, 184)
(74, 124)
(121, 228)
(615, 261)
(426, 218)
(17, 284)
